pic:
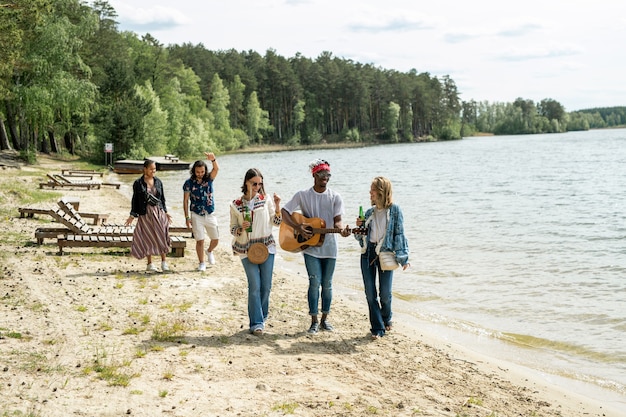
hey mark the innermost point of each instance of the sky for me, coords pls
(495, 50)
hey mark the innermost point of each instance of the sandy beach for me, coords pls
(90, 333)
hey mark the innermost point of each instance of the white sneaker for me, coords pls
(151, 268)
(211, 257)
(164, 266)
(202, 267)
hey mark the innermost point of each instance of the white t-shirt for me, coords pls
(327, 206)
(378, 225)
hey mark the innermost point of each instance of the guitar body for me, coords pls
(290, 242)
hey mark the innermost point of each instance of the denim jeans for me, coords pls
(320, 272)
(259, 287)
(378, 300)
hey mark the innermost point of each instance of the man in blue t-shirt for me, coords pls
(199, 205)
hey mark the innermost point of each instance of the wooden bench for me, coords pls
(171, 158)
(105, 241)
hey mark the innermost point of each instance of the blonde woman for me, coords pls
(385, 233)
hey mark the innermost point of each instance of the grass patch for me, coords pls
(35, 362)
(165, 331)
(285, 408)
(474, 401)
(110, 372)
(131, 330)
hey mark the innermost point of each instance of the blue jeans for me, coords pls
(259, 287)
(378, 302)
(320, 272)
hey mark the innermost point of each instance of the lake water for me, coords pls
(518, 243)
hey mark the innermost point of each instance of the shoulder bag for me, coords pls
(387, 261)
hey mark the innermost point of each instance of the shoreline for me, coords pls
(179, 341)
(481, 349)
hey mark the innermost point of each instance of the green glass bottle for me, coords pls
(247, 217)
(361, 215)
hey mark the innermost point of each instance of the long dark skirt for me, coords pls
(152, 234)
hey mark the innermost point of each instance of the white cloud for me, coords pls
(154, 17)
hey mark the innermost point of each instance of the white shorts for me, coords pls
(200, 224)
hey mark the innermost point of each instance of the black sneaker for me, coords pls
(314, 328)
(327, 326)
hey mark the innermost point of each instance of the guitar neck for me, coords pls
(317, 231)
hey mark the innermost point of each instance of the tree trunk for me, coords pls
(53, 142)
(45, 144)
(68, 138)
(12, 128)
(4, 140)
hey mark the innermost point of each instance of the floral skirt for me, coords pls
(152, 234)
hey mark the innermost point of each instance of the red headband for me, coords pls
(321, 167)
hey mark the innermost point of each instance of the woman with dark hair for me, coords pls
(151, 235)
(198, 198)
(385, 233)
(252, 217)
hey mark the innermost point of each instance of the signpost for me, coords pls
(108, 154)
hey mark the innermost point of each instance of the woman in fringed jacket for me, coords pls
(265, 214)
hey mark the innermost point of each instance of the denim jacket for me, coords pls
(394, 240)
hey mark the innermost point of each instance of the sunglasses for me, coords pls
(323, 174)
(256, 184)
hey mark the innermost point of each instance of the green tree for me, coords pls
(236, 91)
(392, 116)
(554, 112)
(253, 118)
(155, 123)
(52, 87)
(218, 105)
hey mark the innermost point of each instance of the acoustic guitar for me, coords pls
(292, 242)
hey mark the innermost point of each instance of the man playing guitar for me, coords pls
(320, 202)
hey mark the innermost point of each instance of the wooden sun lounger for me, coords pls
(68, 205)
(82, 172)
(96, 218)
(104, 236)
(64, 179)
(54, 182)
(31, 211)
(96, 241)
(74, 224)
(42, 233)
